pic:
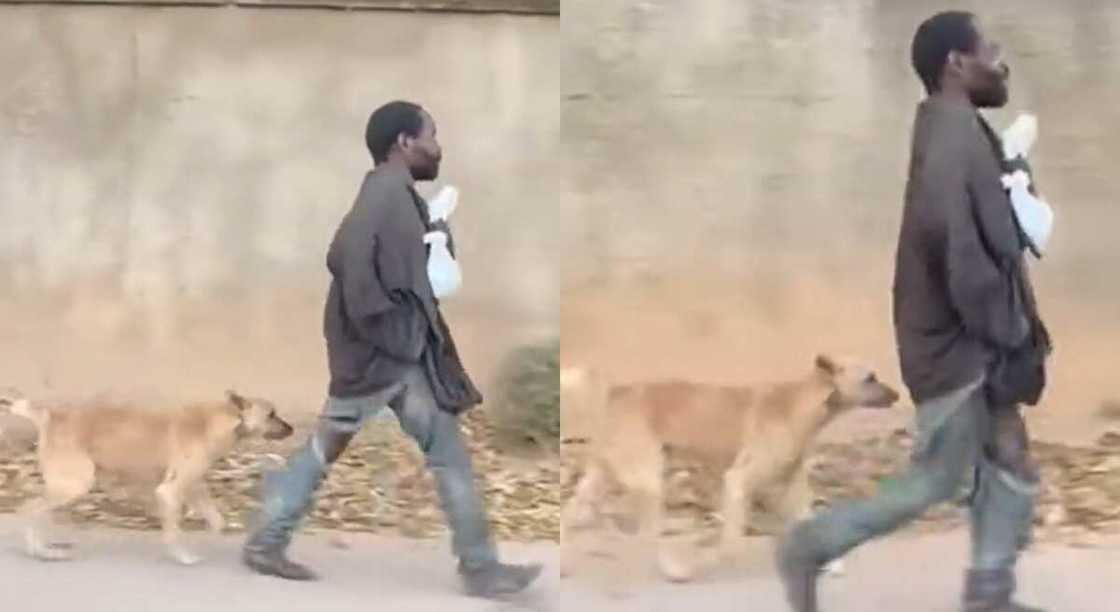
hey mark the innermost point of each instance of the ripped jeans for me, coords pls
(959, 435)
(288, 493)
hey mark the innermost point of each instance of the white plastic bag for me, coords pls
(1020, 136)
(443, 270)
(1034, 215)
(443, 204)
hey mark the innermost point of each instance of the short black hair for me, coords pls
(935, 38)
(390, 121)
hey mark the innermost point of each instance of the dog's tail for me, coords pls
(14, 401)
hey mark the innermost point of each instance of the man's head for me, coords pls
(951, 54)
(403, 132)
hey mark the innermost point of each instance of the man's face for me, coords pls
(423, 152)
(984, 73)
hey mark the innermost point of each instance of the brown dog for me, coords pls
(760, 435)
(174, 448)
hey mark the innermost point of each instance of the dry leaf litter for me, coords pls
(1080, 501)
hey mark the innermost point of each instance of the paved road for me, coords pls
(124, 571)
(905, 574)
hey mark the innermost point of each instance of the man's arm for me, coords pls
(392, 322)
(980, 284)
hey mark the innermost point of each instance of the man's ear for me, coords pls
(954, 62)
(402, 141)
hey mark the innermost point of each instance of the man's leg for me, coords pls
(1002, 511)
(951, 431)
(437, 434)
(287, 493)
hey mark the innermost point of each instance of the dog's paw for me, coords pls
(185, 557)
(601, 552)
(580, 517)
(674, 570)
(50, 552)
(215, 525)
(835, 569)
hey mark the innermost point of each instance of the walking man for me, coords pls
(971, 345)
(388, 345)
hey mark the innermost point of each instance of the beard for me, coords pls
(993, 92)
(426, 171)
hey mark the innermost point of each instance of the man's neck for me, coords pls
(396, 167)
(955, 97)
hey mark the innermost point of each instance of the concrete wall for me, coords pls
(170, 180)
(518, 7)
(738, 169)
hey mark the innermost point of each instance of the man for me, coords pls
(388, 345)
(970, 342)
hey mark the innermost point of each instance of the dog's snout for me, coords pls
(8, 397)
(278, 429)
(892, 396)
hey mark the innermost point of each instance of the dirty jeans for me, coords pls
(959, 435)
(288, 493)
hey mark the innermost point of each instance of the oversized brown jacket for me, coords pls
(959, 256)
(381, 316)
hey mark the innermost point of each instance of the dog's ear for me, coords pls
(236, 399)
(9, 396)
(826, 365)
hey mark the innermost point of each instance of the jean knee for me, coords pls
(939, 487)
(457, 485)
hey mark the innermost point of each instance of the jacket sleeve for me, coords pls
(393, 322)
(981, 282)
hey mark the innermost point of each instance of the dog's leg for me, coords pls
(170, 495)
(199, 500)
(581, 511)
(65, 481)
(736, 505)
(642, 479)
(797, 505)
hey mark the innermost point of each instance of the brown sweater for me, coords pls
(381, 316)
(959, 251)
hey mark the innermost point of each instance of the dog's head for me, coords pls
(853, 384)
(12, 401)
(258, 417)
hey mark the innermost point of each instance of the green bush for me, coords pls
(525, 410)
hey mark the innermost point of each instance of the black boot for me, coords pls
(495, 580)
(275, 562)
(990, 591)
(799, 568)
